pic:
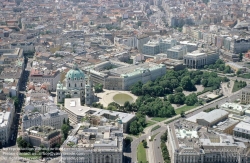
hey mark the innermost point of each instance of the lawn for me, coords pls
(158, 119)
(155, 128)
(30, 156)
(208, 89)
(150, 123)
(184, 108)
(246, 76)
(152, 138)
(141, 154)
(237, 86)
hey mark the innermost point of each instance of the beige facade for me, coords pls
(245, 95)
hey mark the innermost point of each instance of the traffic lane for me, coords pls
(157, 148)
(135, 143)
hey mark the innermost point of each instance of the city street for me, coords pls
(153, 149)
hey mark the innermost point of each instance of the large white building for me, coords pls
(125, 75)
(242, 131)
(77, 112)
(188, 143)
(76, 85)
(177, 52)
(7, 112)
(102, 143)
(159, 46)
(199, 59)
(53, 118)
(140, 41)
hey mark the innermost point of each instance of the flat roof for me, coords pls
(80, 110)
(196, 116)
(214, 115)
(242, 127)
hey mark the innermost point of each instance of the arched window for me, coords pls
(69, 84)
(81, 84)
(69, 78)
(75, 84)
(59, 97)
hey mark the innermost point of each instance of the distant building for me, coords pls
(7, 111)
(159, 46)
(198, 59)
(53, 118)
(241, 45)
(42, 135)
(141, 40)
(245, 95)
(151, 48)
(177, 52)
(190, 46)
(12, 53)
(26, 46)
(40, 75)
(235, 67)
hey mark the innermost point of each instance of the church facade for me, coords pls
(75, 85)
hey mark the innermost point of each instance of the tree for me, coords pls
(65, 130)
(127, 106)
(240, 56)
(137, 88)
(182, 113)
(204, 82)
(187, 84)
(68, 96)
(98, 88)
(145, 144)
(68, 123)
(139, 23)
(238, 72)
(164, 137)
(178, 89)
(171, 98)
(16, 101)
(133, 128)
(191, 99)
(227, 70)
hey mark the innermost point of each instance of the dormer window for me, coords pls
(69, 78)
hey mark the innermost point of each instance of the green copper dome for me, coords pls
(75, 73)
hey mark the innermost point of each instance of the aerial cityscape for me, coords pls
(125, 81)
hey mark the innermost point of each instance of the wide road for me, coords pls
(132, 152)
